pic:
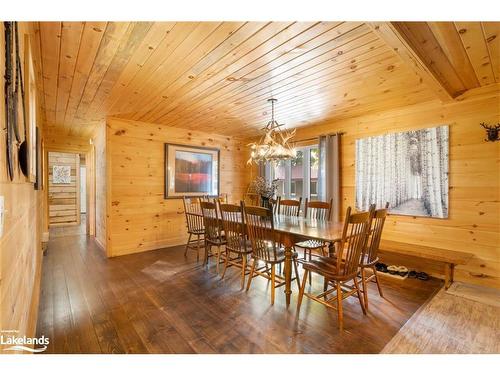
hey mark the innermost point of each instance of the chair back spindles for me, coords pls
(233, 222)
(260, 230)
(318, 210)
(354, 234)
(289, 207)
(211, 221)
(375, 234)
(222, 198)
(275, 203)
(194, 219)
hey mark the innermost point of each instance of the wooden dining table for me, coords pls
(292, 229)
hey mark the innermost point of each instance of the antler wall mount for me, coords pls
(492, 132)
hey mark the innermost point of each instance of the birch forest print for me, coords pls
(409, 170)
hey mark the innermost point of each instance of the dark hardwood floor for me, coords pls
(161, 302)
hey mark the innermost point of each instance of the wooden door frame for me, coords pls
(90, 190)
(89, 153)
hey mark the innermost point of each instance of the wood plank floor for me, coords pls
(450, 324)
(161, 302)
(70, 230)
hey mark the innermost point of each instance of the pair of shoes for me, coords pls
(422, 276)
(393, 270)
(412, 274)
(398, 270)
(402, 271)
(381, 267)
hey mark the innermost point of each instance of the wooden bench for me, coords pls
(450, 258)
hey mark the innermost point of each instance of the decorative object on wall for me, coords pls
(409, 170)
(191, 171)
(10, 105)
(492, 132)
(23, 152)
(274, 144)
(61, 174)
(30, 109)
(39, 164)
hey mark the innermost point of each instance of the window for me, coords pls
(278, 173)
(297, 177)
(313, 172)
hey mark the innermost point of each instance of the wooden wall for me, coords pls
(20, 245)
(100, 184)
(64, 199)
(474, 199)
(139, 218)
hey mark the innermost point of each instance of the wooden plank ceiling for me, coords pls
(216, 76)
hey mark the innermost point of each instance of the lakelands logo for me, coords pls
(10, 341)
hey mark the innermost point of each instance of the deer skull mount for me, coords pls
(492, 132)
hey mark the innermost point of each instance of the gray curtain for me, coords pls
(329, 172)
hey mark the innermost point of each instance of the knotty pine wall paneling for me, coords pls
(20, 244)
(100, 184)
(64, 199)
(139, 218)
(474, 198)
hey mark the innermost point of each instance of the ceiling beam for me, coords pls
(390, 34)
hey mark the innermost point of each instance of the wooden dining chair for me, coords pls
(213, 230)
(320, 211)
(275, 203)
(370, 255)
(289, 207)
(265, 248)
(222, 198)
(233, 222)
(194, 223)
(343, 268)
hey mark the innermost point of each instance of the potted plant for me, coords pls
(265, 189)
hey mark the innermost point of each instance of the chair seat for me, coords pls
(280, 255)
(217, 241)
(197, 231)
(241, 248)
(325, 266)
(311, 244)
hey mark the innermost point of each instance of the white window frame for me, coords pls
(306, 173)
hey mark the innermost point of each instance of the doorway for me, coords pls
(68, 193)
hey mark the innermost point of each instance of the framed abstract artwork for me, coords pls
(408, 169)
(61, 174)
(191, 171)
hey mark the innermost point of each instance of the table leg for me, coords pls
(449, 269)
(331, 249)
(288, 273)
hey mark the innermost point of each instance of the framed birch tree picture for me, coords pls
(408, 169)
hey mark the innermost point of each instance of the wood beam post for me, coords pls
(393, 38)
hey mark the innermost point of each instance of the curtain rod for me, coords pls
(321, 135)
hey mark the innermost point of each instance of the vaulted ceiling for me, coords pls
(216, 76)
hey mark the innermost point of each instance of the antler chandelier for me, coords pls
(273, 145)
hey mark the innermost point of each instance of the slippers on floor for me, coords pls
(402, 271)
(422, 276)
(393, 270)
(381, 267)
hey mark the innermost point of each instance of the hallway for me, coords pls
(70, 230)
